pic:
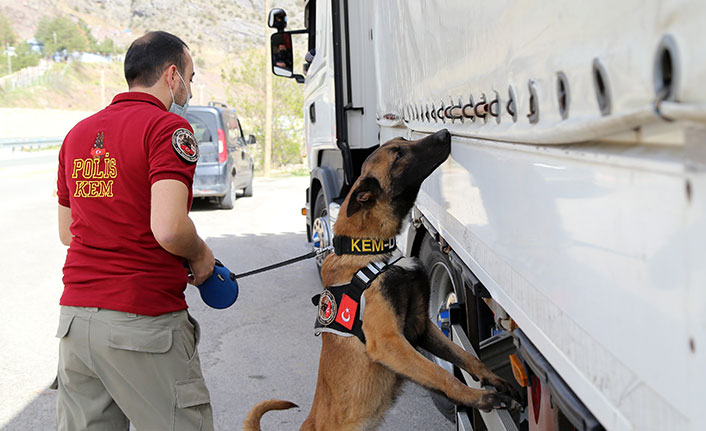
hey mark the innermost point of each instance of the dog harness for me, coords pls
(341, 307)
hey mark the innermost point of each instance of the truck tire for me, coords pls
(320, 212)
(228, 201)
(443, 282)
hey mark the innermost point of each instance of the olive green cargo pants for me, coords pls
(119, 368)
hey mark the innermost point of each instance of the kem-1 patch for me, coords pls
(184, 144)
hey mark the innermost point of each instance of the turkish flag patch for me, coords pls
(346, 312)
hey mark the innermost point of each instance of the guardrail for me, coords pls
(31, 144)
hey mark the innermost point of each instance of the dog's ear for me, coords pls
(364, 195)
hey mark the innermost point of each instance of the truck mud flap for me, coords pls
(562, 396)
(496, 420)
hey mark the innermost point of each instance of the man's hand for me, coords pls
(201, 266)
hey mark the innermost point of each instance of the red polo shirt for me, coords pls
(107, 165)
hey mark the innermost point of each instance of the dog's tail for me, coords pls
(252, 420)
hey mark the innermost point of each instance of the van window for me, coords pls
(204, 125)
(233, 128)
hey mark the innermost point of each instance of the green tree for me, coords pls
(93, 44)
(106, 47)
(61, 33)
(7, 35)
(25, 57)
(245, 90)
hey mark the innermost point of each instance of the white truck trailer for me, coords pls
(568, 227)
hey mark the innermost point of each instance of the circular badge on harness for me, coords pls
(184, 144)
(327, 308)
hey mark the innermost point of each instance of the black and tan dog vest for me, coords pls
(341, 307)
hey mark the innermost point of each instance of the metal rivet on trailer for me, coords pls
(533, 104)
(433, 113)
(494, 108)
(440, 113)
(458, 109)
(601, 85)
(455, 112)
(481, 108)
(468, 111)
(511, 105)
(426, 112)
(666, 71)
(562, 94)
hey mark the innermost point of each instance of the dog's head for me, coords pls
(389, 183)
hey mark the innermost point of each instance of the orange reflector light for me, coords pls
(519, 371)
(304, 211)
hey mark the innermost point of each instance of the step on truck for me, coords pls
(565, 237)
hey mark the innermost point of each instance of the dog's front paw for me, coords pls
(501, 385)
(494, 400)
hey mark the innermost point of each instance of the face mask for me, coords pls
(176, 108)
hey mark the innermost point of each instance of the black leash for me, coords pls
(309, 255)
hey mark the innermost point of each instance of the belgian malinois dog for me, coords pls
(357, 381)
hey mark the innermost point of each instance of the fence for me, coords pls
(26, 77)
(30, 144)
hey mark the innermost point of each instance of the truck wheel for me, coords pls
(228, 201)
(320, 228)
(247, 191)
(443, 282)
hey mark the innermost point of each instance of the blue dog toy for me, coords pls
(221, 289)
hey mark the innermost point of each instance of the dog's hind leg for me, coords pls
(387, 345)
(435, 342)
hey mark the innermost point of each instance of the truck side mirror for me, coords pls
(282, 54)
(277, 19)
(251, 140)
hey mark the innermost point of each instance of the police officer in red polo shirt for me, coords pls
(128, 346)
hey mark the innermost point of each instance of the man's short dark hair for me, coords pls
(150, 54)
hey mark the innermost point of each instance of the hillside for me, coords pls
(224, 25)
(218, 32)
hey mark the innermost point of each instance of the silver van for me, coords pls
(225, 164)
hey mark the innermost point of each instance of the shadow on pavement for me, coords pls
(37, 415)
(237, 355)
(261, 347)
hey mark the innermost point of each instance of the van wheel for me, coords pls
(443, 282)
(228, 201)
(247, 191)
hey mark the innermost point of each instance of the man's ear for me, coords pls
(364, 195)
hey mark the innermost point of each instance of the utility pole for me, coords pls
(268, 97)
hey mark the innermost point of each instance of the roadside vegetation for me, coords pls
(245, 89)
(23, 55)
(45, 75)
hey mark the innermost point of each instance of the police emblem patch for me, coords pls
(184, 144)
(327, 308)
(98, 149)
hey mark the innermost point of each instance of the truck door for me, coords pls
(319, 100)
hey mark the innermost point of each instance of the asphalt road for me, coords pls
(262, 347)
